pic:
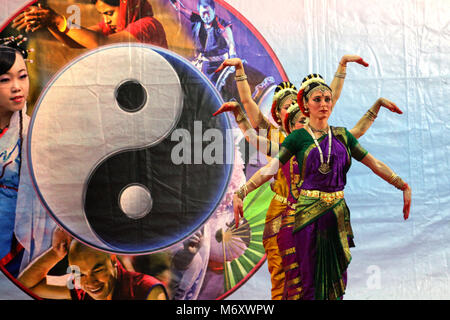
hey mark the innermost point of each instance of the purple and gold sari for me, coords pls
(322, 234)
(286, 245)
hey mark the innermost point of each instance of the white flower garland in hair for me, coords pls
(280, 93)
(309, 81)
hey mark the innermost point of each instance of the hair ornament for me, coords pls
(17, 43)
(310, 82)
(291, 116)
(283, 91)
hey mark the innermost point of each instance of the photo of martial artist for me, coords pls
(213, 36)
(96, 275)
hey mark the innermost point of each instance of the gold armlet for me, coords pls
(253, 182)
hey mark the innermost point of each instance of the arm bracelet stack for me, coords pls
(241, 77)
(397, 182)
(242, 192)
(371, 115)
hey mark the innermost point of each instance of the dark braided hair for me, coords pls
(283, 91)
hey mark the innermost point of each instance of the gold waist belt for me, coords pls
(325, 196)
(288, 218)
(280, 198)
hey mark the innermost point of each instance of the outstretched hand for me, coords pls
(406, 201)
(233, 62)
(238, 208)
(353, 58)
(226, 107)
(389, 105)
(26, 19)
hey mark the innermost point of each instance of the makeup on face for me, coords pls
(14, 87)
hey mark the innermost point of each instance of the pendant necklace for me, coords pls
(324, 167)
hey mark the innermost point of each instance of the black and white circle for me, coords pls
(102, 143)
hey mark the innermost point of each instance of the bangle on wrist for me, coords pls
(63, 28)
(340, 75)
(241, 77)
(392, 177)
(242, 192)
(397, 182)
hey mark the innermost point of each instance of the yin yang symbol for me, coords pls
(101, 142)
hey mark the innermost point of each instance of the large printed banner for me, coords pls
(124, 153)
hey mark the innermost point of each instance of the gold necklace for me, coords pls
(324, 167)
(323, 131)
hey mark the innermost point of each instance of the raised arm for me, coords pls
(338, 81)
(383, 171)
(228, 36)
(369, 117)
(181, 8)
(34, 276)
(261, 143)
(258, 179)
(257, 119)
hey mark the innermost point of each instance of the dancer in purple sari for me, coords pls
(322, 231)
(293, 119)
(267, 141)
